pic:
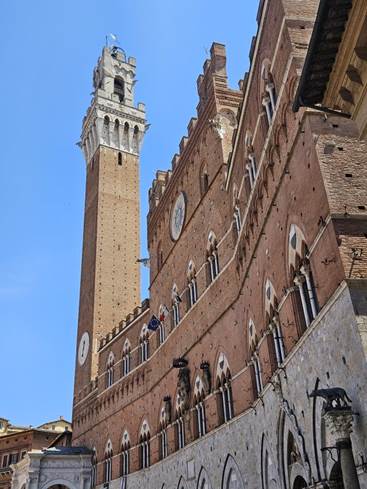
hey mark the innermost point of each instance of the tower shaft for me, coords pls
(112, 134)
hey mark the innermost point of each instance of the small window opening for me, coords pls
(119, 159)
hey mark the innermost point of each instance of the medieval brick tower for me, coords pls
(112, 134)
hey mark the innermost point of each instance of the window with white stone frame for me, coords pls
(272, 318)
(125, 455)
(278, 340)
(108, 462)
(144, 451)
(237, 219)
(176, 300)
(180, 432)
(269, 98)
(126, 358)
(251, 165)
(212, 258)
(199, 408)
(305, 298)
(163, 443)
(257, 371)
(110, 372)
(192, 286)
(224, 390)
(144, 344)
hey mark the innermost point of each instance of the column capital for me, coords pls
(339, 423)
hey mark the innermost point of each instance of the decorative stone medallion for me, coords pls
(178, 213)
(83, 348)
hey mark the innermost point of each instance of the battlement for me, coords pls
(211, 85)
(138, 311)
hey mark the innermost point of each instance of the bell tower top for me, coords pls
(114, 77)
(112, 120)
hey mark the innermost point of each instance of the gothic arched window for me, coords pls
(301, 274)
(223, 384)
(199, 413)
(273, 323)
(144, 344)
(269, 98)
(144, 446)
(192, 285)
(110, 373)
(108, 462)
(119, 88)
(126, 358)
(251, 164)
(212, 258)
(162, 435)
(176, 300)
(125, 454)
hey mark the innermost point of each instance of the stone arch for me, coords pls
(203, 480)
(181, 483)
(127, 346)
(231, 477)
(59, 482)
(269, 473)
(300, 466)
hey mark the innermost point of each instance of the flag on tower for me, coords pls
(163, 313)
(154, 323)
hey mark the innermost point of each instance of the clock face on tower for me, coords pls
(83, 348)
(178, 216)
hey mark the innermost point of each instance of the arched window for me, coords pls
(162, 435)
(176, 300)
(212, 258)
(192, 286)
(119, 88)
(108, 462)
(225, 401)
(268, 92)
(204, 178)
(301, 274)
(144, 344)
(161, 330)
(93, 482)
(116, 133)
(200, 415)
(251, 165)
(110, 373)
(136, 137)
(272, 318)
(125, 137)
(179, 423)
(144, 446)
(237, 219)
(106, 130)
(257, 372)
(125, 454)
(126, 358)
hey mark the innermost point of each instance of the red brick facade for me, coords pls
(300, 222)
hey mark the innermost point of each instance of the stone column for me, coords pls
(339, 422)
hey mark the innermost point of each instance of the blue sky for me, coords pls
(48, 51)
